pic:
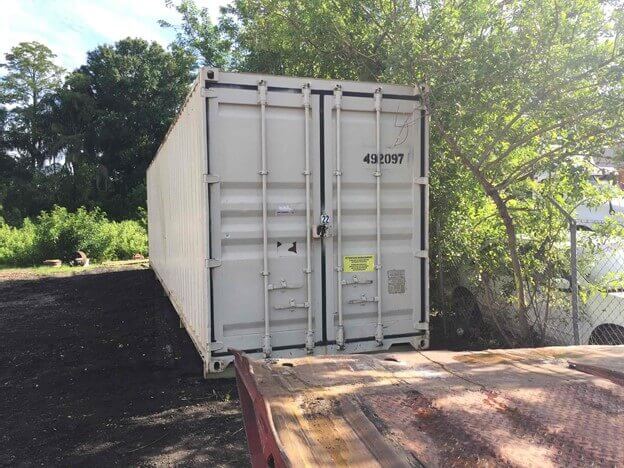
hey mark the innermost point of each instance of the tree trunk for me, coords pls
(512, 247)
(510, 228)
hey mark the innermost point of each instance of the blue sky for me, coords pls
(72, 27)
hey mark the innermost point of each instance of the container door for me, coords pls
(376, 197)
(263, 259)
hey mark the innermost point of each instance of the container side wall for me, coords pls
(177, 214)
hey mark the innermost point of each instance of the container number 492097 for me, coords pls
(387, 158)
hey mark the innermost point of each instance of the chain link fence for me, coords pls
(463, 311)
(587, 305)
(579, 299)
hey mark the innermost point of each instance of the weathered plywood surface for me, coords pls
(509, 407)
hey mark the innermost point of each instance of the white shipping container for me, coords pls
(289, 216)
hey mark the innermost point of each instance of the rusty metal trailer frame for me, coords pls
(529, 407)
(262, 439)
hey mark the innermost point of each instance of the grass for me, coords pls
(40, 270)
(64, 270)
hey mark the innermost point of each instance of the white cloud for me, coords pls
(116, 19)
(72, 27)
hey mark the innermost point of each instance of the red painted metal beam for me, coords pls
(262, 440)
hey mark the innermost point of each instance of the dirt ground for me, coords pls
(94, 370)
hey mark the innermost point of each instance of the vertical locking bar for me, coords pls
(424, 172)
(262, 99)
(379, 331)
(305, 91)
(340, 336)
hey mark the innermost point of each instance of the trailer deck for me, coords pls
(542, 407)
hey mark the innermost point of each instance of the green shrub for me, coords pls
(59, 233)
(17, 245)
(128, 238)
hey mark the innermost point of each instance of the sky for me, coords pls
(72, 27)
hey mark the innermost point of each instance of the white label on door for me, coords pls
(283, 210)
(396, 281)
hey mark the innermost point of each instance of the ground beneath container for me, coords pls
(94, 370)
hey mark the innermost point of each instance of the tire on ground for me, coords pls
(467, 314)
(607, 334)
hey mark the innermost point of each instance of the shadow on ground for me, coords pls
(94, 370)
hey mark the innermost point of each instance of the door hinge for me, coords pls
(211, 179)
(216, 345)
(421, 254)
(421, 180)
(212, 263)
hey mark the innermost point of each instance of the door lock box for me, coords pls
(323, 229)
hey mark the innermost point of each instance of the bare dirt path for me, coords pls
(94, 371)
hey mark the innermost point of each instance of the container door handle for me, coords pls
(283, 285)
(364, 300)
(292, 304)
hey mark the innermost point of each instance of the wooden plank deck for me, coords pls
(530, 407)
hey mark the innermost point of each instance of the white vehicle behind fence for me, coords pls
(588, 216)
(600, 277)
(601, 294)
(601, 302)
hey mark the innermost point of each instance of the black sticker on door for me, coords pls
(396, 281)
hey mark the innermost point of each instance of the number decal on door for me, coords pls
(384, 158)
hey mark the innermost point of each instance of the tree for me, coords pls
(343, 39)
(111, 115)
(540, 82)
(518, 87)
(30, 80)
(6, 161)
(198, 36)
(4, 142)
(104, 123)
(31, 76)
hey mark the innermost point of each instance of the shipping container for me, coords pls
(288, 216)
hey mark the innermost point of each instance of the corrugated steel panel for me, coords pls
(178, 213)
(318, 244)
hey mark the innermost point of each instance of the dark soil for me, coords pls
(94, 371)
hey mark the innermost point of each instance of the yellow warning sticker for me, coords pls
(355, 263)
